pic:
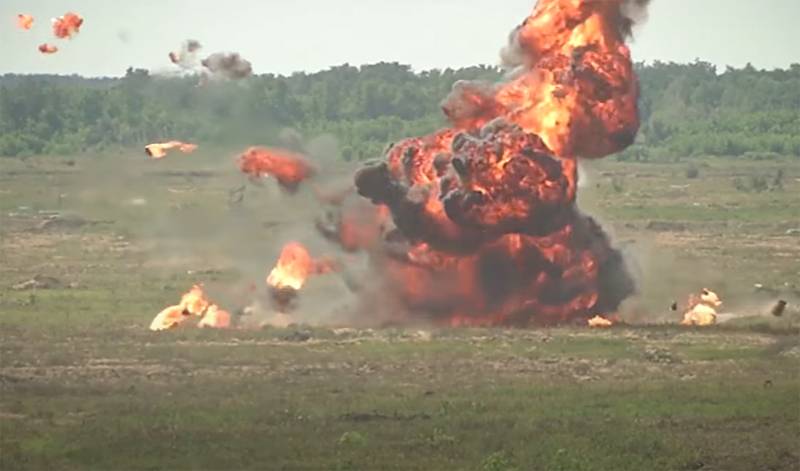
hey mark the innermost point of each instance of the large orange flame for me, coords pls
(67, 26)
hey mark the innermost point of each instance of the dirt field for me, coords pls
(105, 242)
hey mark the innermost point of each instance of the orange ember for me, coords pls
(24, 21)
(67, 26)
(160, 150)
(47, 49)
(289, 168)
(295, 265)
(487, 227)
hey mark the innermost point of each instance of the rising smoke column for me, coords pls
(487, 229)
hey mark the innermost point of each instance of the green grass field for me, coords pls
(85, 385)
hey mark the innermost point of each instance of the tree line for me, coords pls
(687, 109)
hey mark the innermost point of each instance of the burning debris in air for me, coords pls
(288, 168)
(24, 21)
(194, 303)
(186, 57)
(47, 48)
(67, 26)
(160, 150)
(487, 228)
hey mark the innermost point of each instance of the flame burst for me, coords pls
(194, 303)
(24, 21)
(702, 309)
(295, 265)
(288, 168)
(160, 150)
(488, 231)
(48, 48)
(67, 26)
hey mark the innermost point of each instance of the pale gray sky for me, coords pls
(309, 35)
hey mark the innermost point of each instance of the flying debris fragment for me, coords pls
(48, 48)
(159, 150)
(67, 26)
(24, 21)
(288, 168)
(227, 65)
(779, 308)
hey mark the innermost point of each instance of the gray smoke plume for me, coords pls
(227, 65)
(186, 57)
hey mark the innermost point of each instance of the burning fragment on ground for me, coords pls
(24, 21)
(487, 227)
(701, 309)
(47, 48)
(159, 150)
(287, 167)
(600, 322)
(194, 303)
(67, 26)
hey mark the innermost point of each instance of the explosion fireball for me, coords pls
(487, 227)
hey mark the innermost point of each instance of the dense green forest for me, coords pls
(687, 109)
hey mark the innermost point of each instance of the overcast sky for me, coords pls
(309, 35)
